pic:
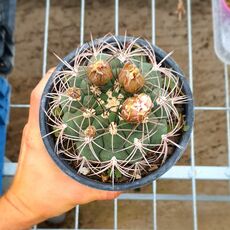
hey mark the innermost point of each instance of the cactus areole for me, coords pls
(116, 113)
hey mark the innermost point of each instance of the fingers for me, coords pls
(90, 194)
(41, 85)
(106, 195)
(36, 97)
(112, 195)
(37, 91)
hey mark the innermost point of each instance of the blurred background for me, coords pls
(135, 17)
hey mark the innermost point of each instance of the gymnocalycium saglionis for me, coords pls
(115, 113)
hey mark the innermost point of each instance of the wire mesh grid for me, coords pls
(191, 172)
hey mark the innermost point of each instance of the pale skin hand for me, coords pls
(40, 190)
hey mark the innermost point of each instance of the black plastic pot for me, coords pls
(65, 167)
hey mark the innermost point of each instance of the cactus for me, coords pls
(115, 111)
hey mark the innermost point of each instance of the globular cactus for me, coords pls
(115, 112)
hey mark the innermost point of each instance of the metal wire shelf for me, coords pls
(191, 172)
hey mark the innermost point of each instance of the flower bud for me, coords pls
(90, 131)
(130, 78)
(137, 108)
(99, 73)
(74, 93)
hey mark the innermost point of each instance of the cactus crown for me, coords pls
(115, 113)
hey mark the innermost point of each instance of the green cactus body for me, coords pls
(139, 61)
(84, 86)
(89, 101)
(134, 146)
(116, 107)
(106, 155)
(126, 128)
(83, 122)
(159, 130)
(153, 77)
(99, 109)
(90, 150)
(113, 141)
(75, 81)
(72, 128)
(100, 122)
(69, 105)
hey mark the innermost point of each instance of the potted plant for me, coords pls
(117, 113)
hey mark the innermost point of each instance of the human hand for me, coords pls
(40, 190)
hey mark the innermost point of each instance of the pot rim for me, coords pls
(175, 156)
